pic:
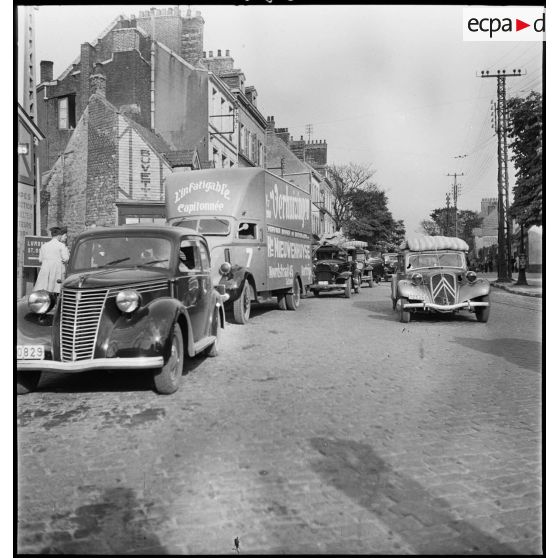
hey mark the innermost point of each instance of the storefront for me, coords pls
(28, 214)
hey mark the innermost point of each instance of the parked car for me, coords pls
(335, 268)
(373, 271)
(432, 276)
(134, 298)
(390, 264)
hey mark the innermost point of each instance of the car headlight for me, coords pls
(40, 302)
(225, 268)
(128, 300)
(471, 276)
(334, 267)
(416, 278)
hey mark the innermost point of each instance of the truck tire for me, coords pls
(348, 286)
(27, 381)
(241, 306)
(167, 378)
(356, 285)
(292, 300)
(281, 302)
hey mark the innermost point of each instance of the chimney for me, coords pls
(191, 48)
(271, 123)
(98, 82)
(46, 70)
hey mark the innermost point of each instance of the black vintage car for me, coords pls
(390, 265)
(335, 268)
(134, 298)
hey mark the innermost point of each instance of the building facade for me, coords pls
(28, 195)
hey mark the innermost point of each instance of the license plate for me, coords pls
(323, 283)
(30, 352)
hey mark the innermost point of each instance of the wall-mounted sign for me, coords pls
(31, 250)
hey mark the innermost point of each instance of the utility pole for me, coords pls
(456, 192)
(309, 130)
(29, 93)
(504, 217)
(447, 213)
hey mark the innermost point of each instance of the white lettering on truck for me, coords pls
(204, 186)
(289, 207)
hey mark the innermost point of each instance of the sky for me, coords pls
(392, 87)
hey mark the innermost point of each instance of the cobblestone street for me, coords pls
(333, 429)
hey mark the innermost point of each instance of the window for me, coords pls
(247, 230)
(189, 257)
(66, 113)
(247, 143)
(205, 262)
(224, 161)
(242, 136)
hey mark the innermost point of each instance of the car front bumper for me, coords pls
(94, 364)
(469, 304)
(328, 287)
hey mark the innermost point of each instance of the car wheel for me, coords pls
(356, 285)
(394, 303)
(241, 306)
(293, 299)
(213, 349)
(482, 312)
(27, 381)
(167, 378)
(404, 315)
(316, 293)
(348, 288)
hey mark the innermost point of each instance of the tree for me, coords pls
(467, 221)
(346, 180)
(525, 129)
(371, 221)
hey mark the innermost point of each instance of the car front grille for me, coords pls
(444, 289)
(324, 276)
(79, 322)
(80, 315)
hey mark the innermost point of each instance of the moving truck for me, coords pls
(258, 227)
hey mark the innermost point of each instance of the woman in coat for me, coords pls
(53, 256)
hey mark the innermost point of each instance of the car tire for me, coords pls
(213, 349)
(404, 315)
(167, 378)
(348, 286)
(281, 302)
(316, 293)
(482, 312)
(356, 285)
(242, 305)
(292, 300)
(28, 381)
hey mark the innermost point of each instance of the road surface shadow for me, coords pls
(114, 524)
(424, 521)
(521, 352)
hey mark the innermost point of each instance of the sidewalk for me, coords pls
(533, 288)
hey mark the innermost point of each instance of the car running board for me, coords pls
(202, 344)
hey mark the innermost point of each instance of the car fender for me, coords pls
(234, 282)
(406, 289)
(145, 332)
(468, 291)
(32, 328)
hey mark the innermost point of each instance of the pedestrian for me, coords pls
(237, 545)
(53, 256)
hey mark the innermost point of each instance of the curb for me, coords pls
(514, 290)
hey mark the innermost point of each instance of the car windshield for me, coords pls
(435, 259)
(122, 251)
(214, 226)
(329, 255)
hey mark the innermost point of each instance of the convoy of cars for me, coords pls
(139, 297)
